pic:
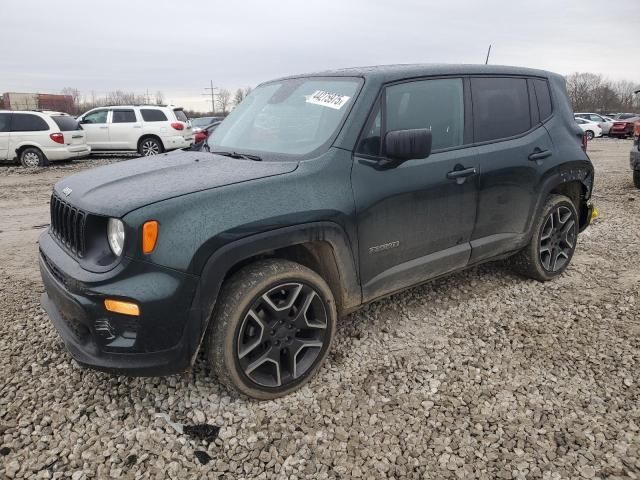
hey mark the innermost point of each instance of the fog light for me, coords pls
(595, 213)
(125, 308)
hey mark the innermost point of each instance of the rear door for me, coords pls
(96, 128)
(5, 129)
(28, 129)
(514, 150)
(125, 129)
(70, 129)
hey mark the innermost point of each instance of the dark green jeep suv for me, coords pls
(319, 193)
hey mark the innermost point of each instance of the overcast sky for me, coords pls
(178, 46)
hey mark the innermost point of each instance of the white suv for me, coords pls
(147, 129)
(37, 138)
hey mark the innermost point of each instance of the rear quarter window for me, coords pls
(544, 98)
(153, 115)
(180, 116)
(500, 107)
(65, 123)
(27, 122)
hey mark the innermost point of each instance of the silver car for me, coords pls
(603, 122)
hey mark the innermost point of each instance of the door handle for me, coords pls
(462, 173)
(539, 154)
(104, 127)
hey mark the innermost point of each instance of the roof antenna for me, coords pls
(488, 53)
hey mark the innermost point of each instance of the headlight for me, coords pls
(115, 235)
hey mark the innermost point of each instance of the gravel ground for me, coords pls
(479, 375)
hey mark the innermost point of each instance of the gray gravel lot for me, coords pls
(479, 375)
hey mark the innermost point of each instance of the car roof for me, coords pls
(389, 73)
(144, 105)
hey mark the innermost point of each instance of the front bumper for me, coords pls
(163, 340)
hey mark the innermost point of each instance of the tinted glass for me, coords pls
(370, 142)
(500, 108)
(202, 121)
(123, 116)
(96, 117)
(290, 117)
(544, 98)
(153, 115)
(5, 122)
(26, 122)
(180, 116)
(434, 104)
(66, 123)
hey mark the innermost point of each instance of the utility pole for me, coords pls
(211, 90)
(488, 53)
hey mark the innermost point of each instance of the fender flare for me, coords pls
(225, 258)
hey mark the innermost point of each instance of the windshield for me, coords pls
(290, 117)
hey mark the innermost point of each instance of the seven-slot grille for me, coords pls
(68, 225)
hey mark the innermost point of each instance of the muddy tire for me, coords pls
(32, 157)
(636, 178)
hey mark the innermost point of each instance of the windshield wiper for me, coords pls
(246, 156)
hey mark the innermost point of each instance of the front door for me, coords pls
(97, 129)
(125, 129)
(5, 132)
(415, 221)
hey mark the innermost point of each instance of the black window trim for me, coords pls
(468, 119)
(553, 109)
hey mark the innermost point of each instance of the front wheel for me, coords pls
(636, 178)
(589, 134)
(32, 157)
(553, 242)
(272, 328)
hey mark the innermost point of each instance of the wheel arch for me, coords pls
(149, 135)
(23, 146)
(321, 246)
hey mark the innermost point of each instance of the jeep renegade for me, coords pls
(319, 193)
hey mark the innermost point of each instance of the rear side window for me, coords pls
(180, 116)
(434, 104)
(123, 116)
(26, 122)
(544, 98)
(500, 108)
(5, 122)
(153, 115)
(66, 123)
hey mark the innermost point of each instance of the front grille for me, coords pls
(68, 225)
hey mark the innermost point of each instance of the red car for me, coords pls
(623, 128)
(203, 134)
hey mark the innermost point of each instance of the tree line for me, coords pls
(590, 92)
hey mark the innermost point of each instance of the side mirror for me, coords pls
(403, 145)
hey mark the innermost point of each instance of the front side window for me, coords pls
(153, 115)
(123, 116)
(289, 117)
(5, 122)
(434, 104)
(500, 108)
(26, 122)
(99, 116)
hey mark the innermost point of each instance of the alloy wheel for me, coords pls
(558, 239)
(150, 147)
(31, 159)
(282, 335)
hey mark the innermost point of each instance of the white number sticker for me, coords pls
(327, 99)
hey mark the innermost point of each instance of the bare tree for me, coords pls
(224, 100)
(238, 97)
(159, 98)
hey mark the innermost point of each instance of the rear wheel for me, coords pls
(553, 242)
(150, 146)
(272, 328)
(32, 157)
(636, 178)
(589, 134)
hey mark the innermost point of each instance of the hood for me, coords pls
(116, 189)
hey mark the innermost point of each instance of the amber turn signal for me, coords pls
(149, 236)
(125, 308)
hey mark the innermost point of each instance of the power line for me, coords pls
(211, 90)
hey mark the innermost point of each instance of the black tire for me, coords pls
(32, 157)
(636, 178)
(251, 339)
(149, 146)
(543, 258)
(589, 134)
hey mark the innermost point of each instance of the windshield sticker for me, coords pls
(327, 99)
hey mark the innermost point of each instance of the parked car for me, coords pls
(623, 128)
(36, 138)
(635, 155)
(147, 129)
(202, 134)
(591, 129)
(603, 122)
(317, 194)
(197, 124)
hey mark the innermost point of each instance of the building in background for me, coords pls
(37, 101)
